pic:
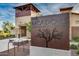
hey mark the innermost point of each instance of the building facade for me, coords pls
(74, 21)
(74, 24)
(25, 12)
(23, 16)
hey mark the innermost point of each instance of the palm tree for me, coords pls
(49, 35)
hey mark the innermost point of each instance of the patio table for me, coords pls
(18, 42)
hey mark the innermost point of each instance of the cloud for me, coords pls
(48, 8)
(7, 13)
(76, 8)
(52, 8)
(1, 22)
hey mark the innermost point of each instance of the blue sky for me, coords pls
(52, 8)
(7, 13)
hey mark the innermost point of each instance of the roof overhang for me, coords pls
(27, 5)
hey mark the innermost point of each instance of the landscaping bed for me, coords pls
(11, 36)
(74, 46)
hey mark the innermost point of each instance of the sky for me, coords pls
(52, 8)
(7, 12)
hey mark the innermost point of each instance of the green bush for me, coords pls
(78, 44)
(73, 46)
(77, 51)
(29, 26)
(6, 35)
(12, 36)
(1, 37)
(76, 39)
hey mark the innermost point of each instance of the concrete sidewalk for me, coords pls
(40, 51)
(4, 44)
(21, 51)
(36, 51)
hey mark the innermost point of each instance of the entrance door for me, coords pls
(23, 30)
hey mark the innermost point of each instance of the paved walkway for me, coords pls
(4, 46)
(17, 52)
(4, 43)
(34, 51)
(40, 51)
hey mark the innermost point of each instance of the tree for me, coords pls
(29, 26)
(49, 35)
(7, 27)
(0, 31)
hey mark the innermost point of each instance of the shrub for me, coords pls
(4, 35)
(12, 36)
(77, 51)
(1, 37)
(78, 44)
(73, 46)
(76, 39)
(29, 26)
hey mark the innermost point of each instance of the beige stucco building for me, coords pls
(74, 21)
(25, 12)
(23, 16)
(74, 24)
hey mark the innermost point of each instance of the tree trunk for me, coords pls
(46, 43)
